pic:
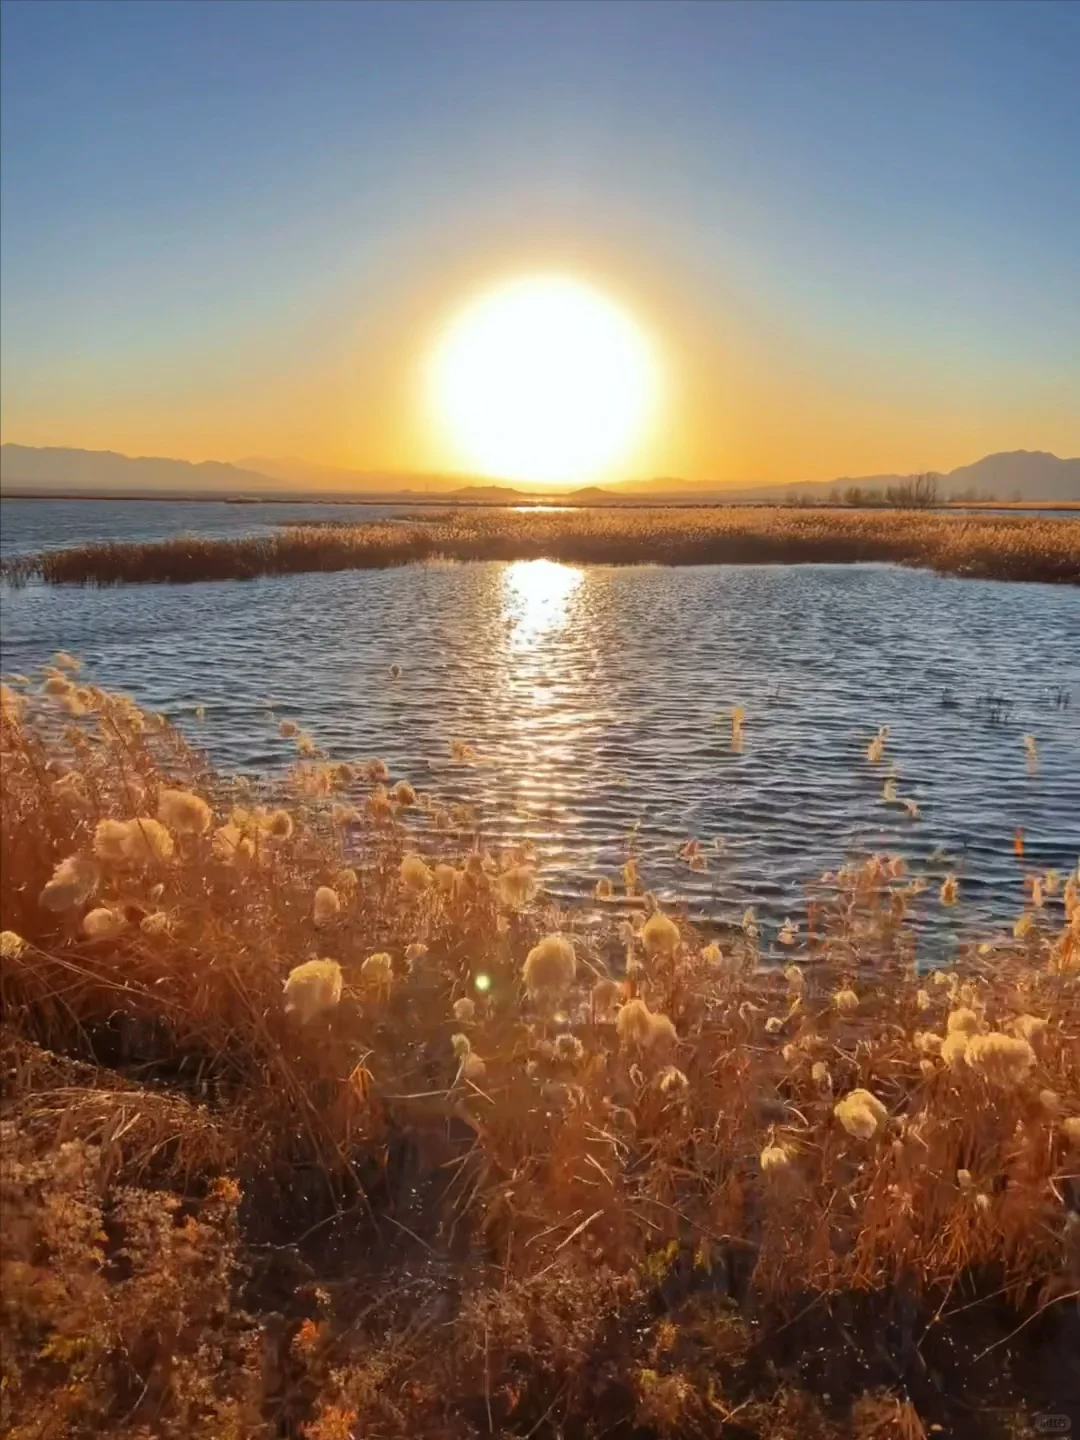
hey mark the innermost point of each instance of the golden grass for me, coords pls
(1006, 547)
(438, 1159)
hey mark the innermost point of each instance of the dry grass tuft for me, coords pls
(423, 1162)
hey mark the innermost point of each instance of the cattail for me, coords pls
(949, 890)
(517, 886)
(110, 840)
(569, 1049)
(750, 926)
(380, 806)
(1070, 1128)
(775, 1158)
(712, 954)
(147, 841)
(927, 1042)
(279, 826)
(415, 952)
(64, 661)
(312, 988)
(964, 1180)
(888, 791)
(819, 1073)
(72, 883)
(794, 977)
(1031, 749)
(927, 1069)
(876, 748)
(415, 875)
(787, 936)
(603, 889)
(1024, 925)
(911, 806)
(922, 1000)
(1004, 1059)
(659, 935)
(57, 685)
(156, 923)
(846, 1001)
(376, 771)
(860, 1113)
(395, 671)
(1050, 1101)
(230, 844)
(464, 1009)
(672, 1081)
(606, 996)
(445, 877)
(184, 812)
(1028, 1026)
(12, 945)
(962, 1019)
(550, 967)
(342, 775)
(404, 793)
(462, 751)
(377, 969)
(461, 1046)
(774, 1024)
(326, 906)
(738, 716)
(954, 1048)
(634, 1023)
(287, 729)
(103, 923)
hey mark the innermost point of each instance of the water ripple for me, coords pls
(599, 699)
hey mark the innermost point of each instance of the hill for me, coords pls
(1010, 475)
(1024, 475)
(55, 468)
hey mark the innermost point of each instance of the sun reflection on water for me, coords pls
(536, 599)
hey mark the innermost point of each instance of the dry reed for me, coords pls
(431, 1160)
(1005, 547)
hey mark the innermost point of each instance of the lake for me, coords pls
(597, 699)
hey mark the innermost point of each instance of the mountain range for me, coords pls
(1031, 475)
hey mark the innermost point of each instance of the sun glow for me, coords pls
(543, 379)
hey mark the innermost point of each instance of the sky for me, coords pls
(850, 232)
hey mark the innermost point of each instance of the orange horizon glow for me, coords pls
(740, 396)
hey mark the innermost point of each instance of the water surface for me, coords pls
(597, 698)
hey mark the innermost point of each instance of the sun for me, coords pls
(543, 379)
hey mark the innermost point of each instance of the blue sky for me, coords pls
(855, 228)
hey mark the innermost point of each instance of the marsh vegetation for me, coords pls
(1006, 547)
(321, 1122)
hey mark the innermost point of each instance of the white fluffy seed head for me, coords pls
(313, 988)
(550, 967)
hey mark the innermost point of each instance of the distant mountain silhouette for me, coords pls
(1010, 475)
(53, 468)
(1016, 474)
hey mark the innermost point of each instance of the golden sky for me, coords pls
(843, 229)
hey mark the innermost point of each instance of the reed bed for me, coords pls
(320, 1120)
(1004, 547)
